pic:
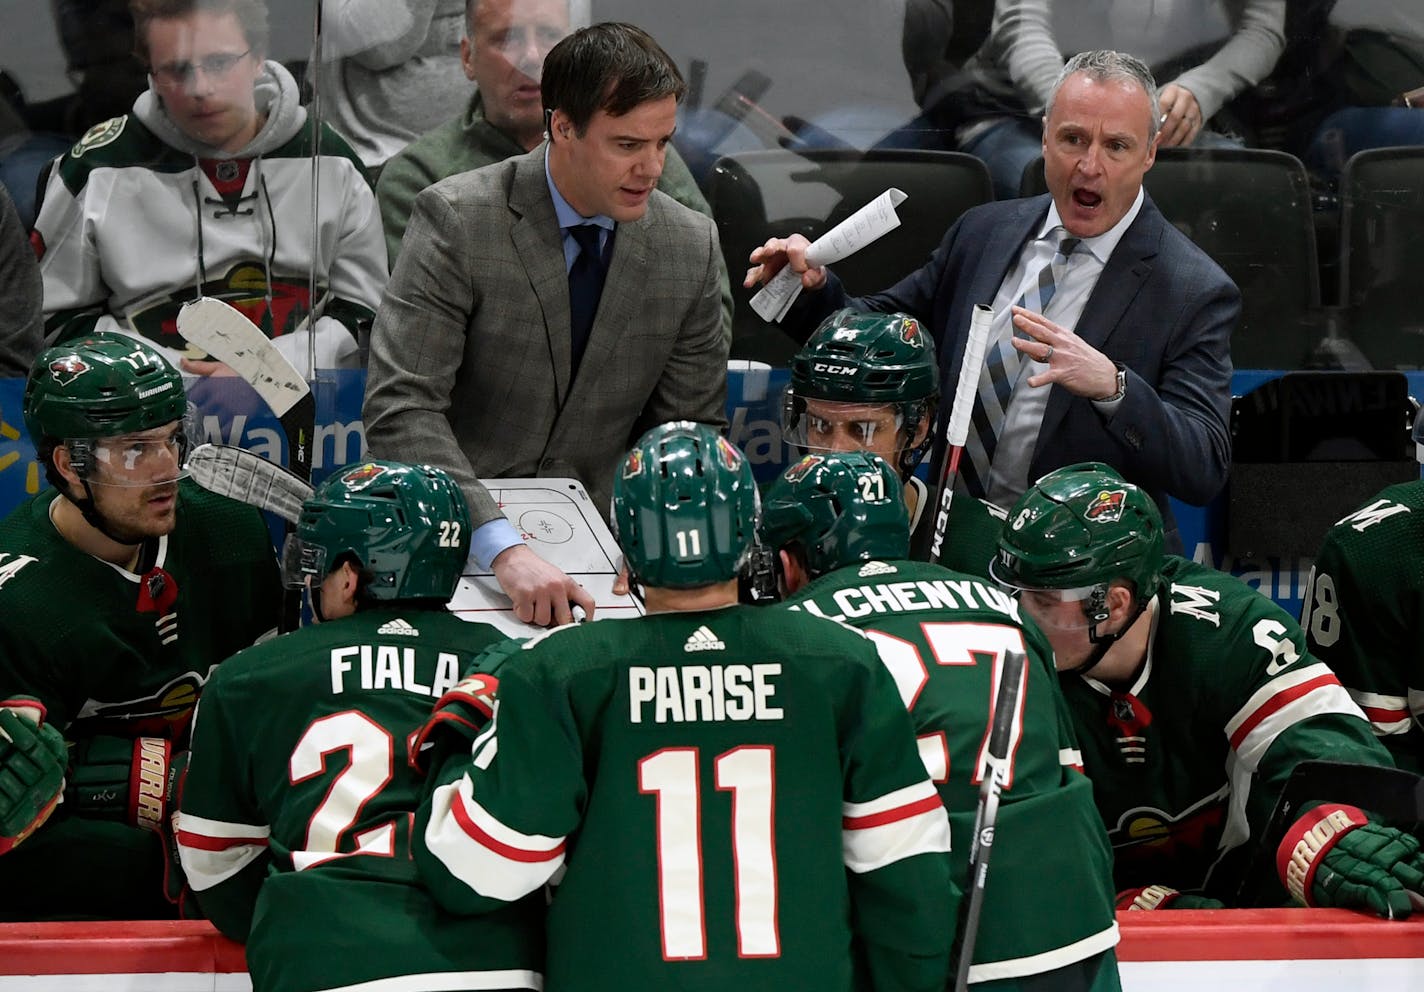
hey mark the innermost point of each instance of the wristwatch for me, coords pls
(1121, 386)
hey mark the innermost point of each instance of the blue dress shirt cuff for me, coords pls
(491, 538)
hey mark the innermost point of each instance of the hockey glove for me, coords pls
(175, 882)
(1334, 856)
(458, 718)
(32, 758)
(1162, 897)
(122, 778)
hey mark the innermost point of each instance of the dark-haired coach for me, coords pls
(548, 308)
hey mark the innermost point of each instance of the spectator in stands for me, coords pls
(390, 71)
(1371, 83)
(1111, 332)
(205, 189)
(997, 105)
(586, 305)
(21, 319)
(503, 54)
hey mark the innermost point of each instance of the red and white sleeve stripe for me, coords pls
(494, 860)
(1389, 715)
(1283, 702)
(897, 825)
(212, 851)
(1070, 757)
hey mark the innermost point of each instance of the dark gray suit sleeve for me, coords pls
(693, 385)
(1176, 437)
(417, 348)
(22, 317)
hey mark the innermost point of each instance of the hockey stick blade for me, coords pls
(231, 338)
(248, 478)
(1007, 709)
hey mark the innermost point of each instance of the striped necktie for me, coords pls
(1002, 367)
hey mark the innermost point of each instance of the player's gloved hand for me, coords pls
(122, 778)
(1163, 897)
(1334, 856)
(32, 759)
(457, 720)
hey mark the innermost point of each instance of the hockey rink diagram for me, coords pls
(559, 522)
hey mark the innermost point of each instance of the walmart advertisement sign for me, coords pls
(229, 412)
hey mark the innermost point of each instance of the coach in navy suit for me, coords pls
(1129, 363)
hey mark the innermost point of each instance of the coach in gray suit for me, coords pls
(478, 363)
(1126, 360)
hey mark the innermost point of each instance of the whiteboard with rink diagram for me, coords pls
(560, 523)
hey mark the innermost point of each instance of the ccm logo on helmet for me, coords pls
(830, 368)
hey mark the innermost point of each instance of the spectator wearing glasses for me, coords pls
(205, 189)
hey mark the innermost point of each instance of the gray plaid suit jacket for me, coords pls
(470, 365)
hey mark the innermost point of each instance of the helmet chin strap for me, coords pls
(94, 519)
(1102, 643)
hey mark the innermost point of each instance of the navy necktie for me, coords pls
(585, 287)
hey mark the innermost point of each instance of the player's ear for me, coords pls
(64, 465)
(793, 576)
(1121, 606)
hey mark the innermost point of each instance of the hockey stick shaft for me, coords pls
(1007, 716)
(227, 335)
(957, 430)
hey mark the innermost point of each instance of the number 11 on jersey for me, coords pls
(746, 772)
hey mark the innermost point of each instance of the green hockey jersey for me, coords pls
(111, 652)
(1188, 761)
(1363, 615)
(700, 782)
(295, 823)
(941, 635)
(971, 533)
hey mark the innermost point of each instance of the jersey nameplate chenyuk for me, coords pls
(702, 693)
(385, 666)
(908, 597)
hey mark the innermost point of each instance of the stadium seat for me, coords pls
(757, 195)
(1382, 254)
(1250, 210)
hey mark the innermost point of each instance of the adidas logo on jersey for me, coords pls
(876, 568)
(398, 627)
(703, 639)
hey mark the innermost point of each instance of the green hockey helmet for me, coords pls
(841, 507)
(102, 385)
(866, 359)
(407, 525)
(1077, 529)
(684, 507)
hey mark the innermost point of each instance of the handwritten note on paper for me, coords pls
(867, 225)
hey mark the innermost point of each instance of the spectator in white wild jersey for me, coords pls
(296, 812)
(205, 189)
(729, 795)
(121, 589)
(843, 540)
(1194, 698)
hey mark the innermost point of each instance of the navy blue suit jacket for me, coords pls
(1161, 307)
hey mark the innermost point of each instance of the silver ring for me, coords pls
(1048, 356)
